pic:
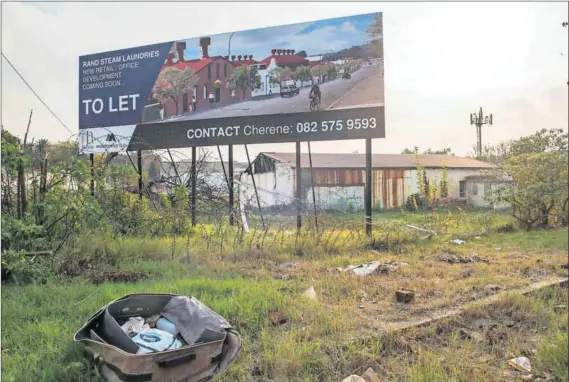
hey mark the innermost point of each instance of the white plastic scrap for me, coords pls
(366, 268)
(458, 241)
(521, 364)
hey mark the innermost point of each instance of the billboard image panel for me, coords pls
(320, 80)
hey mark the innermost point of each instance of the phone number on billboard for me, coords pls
(326, 127)
(337, 125)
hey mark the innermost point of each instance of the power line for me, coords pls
(36, 94)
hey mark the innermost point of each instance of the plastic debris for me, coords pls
(458, 241)
(521, 364)
(353, 378)
(370, 375)
(366, 268)
(373, 267)
(310, 293)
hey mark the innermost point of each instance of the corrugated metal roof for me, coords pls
(386, 161)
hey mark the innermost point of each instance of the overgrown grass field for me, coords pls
(243, 276)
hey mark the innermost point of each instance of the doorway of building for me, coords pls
(185, 103)
(217, 95)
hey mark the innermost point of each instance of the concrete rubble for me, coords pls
(372, 267)
(368, 376)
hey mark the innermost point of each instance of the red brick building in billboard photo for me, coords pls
(214, 74)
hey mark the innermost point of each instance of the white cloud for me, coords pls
(441, 62)
(348, 27)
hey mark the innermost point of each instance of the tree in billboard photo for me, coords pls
(245, 79)
(303, 74)
(375, 33)
(172, 83)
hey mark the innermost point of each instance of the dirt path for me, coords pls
(439, 314)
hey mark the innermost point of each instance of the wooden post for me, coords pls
(92, 182)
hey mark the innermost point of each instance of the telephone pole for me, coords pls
(480, 120)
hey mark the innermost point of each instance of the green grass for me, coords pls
(242, 282)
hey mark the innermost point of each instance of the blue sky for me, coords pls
(313, 37)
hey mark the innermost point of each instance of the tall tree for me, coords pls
(303, 74)
(275, 76)
(245, 78)
(319, 71)
(375, 34)
(172, 83)
(331, 71)
(536, 175)
(445, 151)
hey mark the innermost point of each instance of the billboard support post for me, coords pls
(298, 188)
(230, 175)
(92, 185)
(223, 166)
(139, 160)
(193, 185)
(312, 184)
(254, 186)
(174, 166)
(368, 192)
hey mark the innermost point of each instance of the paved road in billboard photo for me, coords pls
(363, 89)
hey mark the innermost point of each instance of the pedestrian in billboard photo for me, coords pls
(161, 110)
(194, 102)
(211, 98)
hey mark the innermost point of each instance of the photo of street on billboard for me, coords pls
(319, 80)
(322, 65)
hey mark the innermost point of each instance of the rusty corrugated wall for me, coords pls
(387, 185)
(387, 189)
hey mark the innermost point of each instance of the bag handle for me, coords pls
(176, 360)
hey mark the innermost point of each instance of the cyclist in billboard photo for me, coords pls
(315, 97)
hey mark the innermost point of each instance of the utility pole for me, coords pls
(565, 24)
(480, 120)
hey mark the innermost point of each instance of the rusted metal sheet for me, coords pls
(387, 189)
(334, 177)
(337, 177)
(387, 185)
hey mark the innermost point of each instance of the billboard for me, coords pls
(311, 81)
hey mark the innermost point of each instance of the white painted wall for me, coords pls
(274, 188)
(476, 192)
(337, 198)
(454, 176)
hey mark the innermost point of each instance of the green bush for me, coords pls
(553, 355)
(20, 269)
